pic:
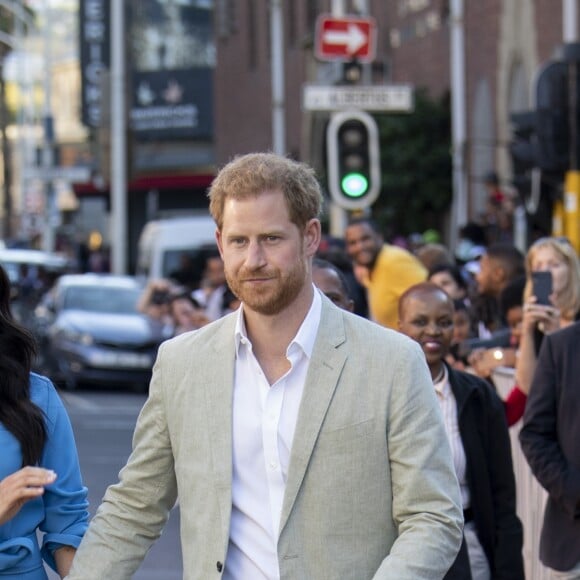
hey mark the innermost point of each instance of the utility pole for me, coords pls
(570, 20)
(277, 74)
(119, 234)
(458, 121)
(6, 154)
(51, 210)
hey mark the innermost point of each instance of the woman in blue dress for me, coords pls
(43, 503)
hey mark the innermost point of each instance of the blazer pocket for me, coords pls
(337, 434)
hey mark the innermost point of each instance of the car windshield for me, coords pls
(101, 299)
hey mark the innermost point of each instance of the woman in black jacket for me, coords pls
(476, 426)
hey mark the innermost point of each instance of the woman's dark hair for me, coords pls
(19, 415)
(454, 271)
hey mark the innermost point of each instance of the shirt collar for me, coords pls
(442, 387)
(305, 337)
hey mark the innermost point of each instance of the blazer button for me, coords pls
(219, 566)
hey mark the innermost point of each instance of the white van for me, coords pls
(163, 243)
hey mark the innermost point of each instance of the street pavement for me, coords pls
(103, 422)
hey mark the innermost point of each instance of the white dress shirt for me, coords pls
(448, 406)
(264, 420)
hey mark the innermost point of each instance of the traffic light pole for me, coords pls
(338, 216)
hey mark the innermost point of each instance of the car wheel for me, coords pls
(141, 388)
(70, 383)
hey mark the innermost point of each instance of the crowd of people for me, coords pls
(334, 414)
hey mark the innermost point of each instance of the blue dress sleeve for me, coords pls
(65, 501)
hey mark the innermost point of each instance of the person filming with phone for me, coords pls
(551, 299)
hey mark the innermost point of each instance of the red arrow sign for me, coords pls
(345, 38)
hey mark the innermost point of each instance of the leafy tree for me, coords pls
(416, 167)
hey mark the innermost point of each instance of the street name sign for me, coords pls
(395, 98)
(345, 38)
(73, 174)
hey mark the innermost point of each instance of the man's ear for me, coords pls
(218, 239)
(312, 236)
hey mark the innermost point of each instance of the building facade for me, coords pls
(206, 69)
(506, 42)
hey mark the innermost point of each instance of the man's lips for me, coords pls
(256, 280)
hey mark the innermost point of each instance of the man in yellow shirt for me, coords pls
(385, 270)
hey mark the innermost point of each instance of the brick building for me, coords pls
(505, 44)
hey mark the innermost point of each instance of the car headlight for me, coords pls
(78, 337)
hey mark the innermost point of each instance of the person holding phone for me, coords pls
(551, 299)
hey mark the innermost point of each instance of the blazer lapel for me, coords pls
(219, 401)
(323, 373)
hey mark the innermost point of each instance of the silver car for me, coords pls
(91, 332)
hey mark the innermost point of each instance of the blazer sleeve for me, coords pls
(425, 492)
(65, 501)
(539, 436)
(135, 510)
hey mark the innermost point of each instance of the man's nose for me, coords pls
(255, 254)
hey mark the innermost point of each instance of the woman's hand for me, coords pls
(22, 486)
(546, 318)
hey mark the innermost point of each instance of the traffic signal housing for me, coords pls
(524, 150)
(353, 160)
(552, 117)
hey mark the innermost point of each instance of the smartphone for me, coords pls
(542, 286)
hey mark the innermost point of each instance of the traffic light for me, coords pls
(552, 112)
(523, 149)
(354, 171)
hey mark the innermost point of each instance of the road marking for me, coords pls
(79, 402)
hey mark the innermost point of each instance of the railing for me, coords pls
(531, 497)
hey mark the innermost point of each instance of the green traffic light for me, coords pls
(354, 184)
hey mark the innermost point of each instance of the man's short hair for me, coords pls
(511, 259)
(250, 175)
(358, 220)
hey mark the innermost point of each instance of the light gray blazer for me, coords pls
(371, 490)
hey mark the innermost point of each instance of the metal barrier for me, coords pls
(531, 496)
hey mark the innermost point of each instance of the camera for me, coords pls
(160, 297)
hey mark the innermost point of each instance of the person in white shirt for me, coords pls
(303, 441)
(476, 426)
